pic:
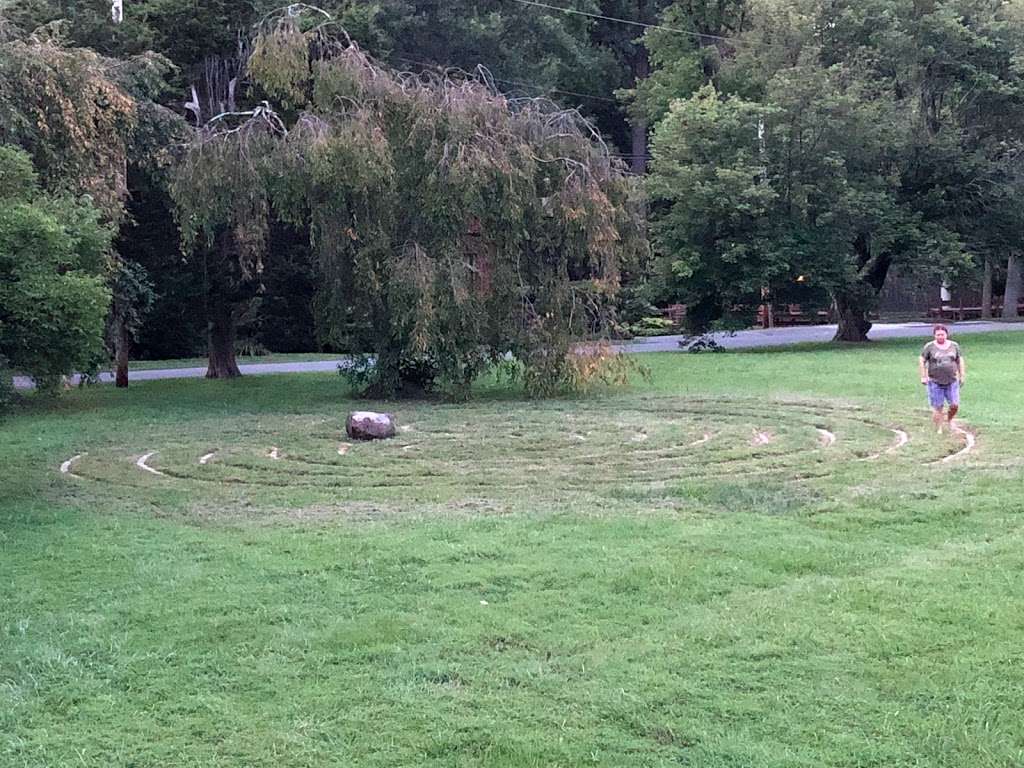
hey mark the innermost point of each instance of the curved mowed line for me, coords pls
(969, 442)
(65, 467)
(544, 451)
(902, 438)
(141, 464)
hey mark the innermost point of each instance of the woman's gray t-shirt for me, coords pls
(943, 364)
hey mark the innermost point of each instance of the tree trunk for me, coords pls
(852, 319)
(855, 301)
(123, 347)
(221, 342)
(986, 291)
(638, 162)
(1013, 287)
(638, 123)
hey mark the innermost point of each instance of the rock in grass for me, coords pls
(367, 425)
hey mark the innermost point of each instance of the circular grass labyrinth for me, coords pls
(530, 450)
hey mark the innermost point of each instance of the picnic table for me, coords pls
(791, 314)
(675, 313)
(781, 316)
(960, 312)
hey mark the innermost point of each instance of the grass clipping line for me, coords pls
(481, 450)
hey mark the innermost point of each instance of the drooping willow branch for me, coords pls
(450, 224)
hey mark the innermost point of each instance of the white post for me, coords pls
(762, 150)
(117, 11)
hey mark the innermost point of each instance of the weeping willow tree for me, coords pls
(62, 105)
(454, 229)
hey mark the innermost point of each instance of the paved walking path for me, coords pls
(775, 337)
(782, 337)
(250, 369)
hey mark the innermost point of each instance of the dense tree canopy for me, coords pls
(836, 141)
(800, 148)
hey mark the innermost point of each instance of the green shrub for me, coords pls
(651, 326)
(53, 258)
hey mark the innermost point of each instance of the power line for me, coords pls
(516, 82)
(602, 17)
(620, 155)
(558, 90)
(595, 97)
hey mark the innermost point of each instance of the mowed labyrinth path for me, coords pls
(541, 450)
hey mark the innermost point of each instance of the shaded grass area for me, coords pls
(470, 602)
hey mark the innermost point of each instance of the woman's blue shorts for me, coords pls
(943, 393)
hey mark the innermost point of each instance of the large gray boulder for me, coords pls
(367, 425)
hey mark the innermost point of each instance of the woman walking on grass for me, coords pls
(942, 372)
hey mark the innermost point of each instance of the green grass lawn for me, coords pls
(689, 572)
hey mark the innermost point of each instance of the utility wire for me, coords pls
(595, 97)
(515, 82)
(558, 90)
(620, 155)
(602, 17)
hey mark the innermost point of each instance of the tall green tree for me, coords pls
(887, 136)
(186, 33)
(132, 299)
(621, 33)
(685, 48)
(708, 183)
(527, 51)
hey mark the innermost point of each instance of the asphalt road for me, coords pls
(776, 337)
(782, 337)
